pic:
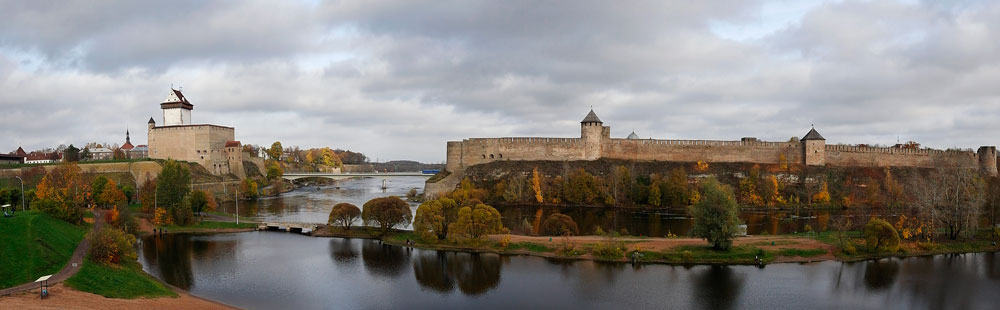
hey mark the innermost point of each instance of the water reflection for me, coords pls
(285, 270)
(342, 250)
(717, 287)
(382, 259)
(880, 274)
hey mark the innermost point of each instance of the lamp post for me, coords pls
(22, 191)
(237, 215)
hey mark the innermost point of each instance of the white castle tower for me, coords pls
(176, 109)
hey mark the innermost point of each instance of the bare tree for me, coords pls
(951, 197)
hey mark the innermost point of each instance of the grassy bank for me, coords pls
(855, 239)
(34, 244)
(126, 281)
(211, 226)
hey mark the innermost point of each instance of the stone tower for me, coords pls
(151, 123)
(814, 148)
(987, 160)
(176, 109)
(592, 132)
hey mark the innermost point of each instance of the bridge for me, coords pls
(300, 227)
(340, 176)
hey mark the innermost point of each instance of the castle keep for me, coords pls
(596, 142)
(212, 146)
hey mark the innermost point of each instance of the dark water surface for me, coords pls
(277, 270)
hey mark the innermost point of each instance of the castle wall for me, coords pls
(702, 150)
(863, 156)
(202, 144)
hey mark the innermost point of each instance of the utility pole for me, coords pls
(237, 215)
(22, 191)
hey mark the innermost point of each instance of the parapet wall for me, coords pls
(865, 156)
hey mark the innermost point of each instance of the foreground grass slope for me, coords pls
(33, 244)
(125, 281)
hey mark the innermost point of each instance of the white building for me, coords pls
(176, 109)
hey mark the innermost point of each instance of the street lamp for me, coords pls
(22, 191)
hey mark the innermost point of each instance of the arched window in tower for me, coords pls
(491, 156)
(501, 155)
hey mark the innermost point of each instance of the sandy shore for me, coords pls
(63, 297)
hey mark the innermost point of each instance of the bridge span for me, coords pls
(340, 176)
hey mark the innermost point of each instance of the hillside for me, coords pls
(33, 244)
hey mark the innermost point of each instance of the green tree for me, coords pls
(198, 201)
(71, 154)
(559, 224)
(344, 215)
(97, 188)
(433, 218)
(715, 215)
(173, 184)
(475, 223)
(386, 213)
(274, 171)
(880, 236)
(654, 194)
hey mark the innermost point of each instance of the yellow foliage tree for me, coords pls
(536, 184)
(823, 196)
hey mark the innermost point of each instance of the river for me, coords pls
(268, 270)
(271, 270)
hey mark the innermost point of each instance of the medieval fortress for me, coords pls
(595, 142)
(211, 146)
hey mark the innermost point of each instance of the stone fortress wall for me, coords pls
(595, 142)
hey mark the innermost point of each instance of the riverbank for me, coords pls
(64, 297)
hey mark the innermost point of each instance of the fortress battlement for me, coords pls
(595, 142)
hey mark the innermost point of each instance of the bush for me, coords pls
(559, 224)
(474, 224)
(67, 211)
(111, 246)
(849, 248)
(881, 236)
(687, 256)
(344, 215)
(807, 228)
(610, 248)
(386, 213)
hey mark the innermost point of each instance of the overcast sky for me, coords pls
(397, 79)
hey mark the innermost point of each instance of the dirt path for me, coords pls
(72, 266)
(62, 297)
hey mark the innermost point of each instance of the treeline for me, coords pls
(294, 154)
(946, 197)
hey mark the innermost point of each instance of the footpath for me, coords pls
(72, 266)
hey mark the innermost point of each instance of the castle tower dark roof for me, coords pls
(633, 136)
(591, 118)
(151, 121)
(813, 135)
(175, 99)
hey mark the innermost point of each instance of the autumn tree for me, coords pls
(715, 215)
(654, 194)
(674, 188)
(474, 224)
(386, 213)
(344, 215)
(558, 224)
(536, 184)
(97, 188)
(621, 183)
(581, 188)
(880, 236)
(173, 187)
(147, 194)
(433, 218)
(274, 171)
(823, 196)
(112, 196)
(275, 151)
(514, 189)
(62, 193)
(248, 189)
(111, 246)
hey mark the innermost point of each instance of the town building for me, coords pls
(43, 158)
(212, 146)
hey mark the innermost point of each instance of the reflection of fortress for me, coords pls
(211, 146)
(595, 142)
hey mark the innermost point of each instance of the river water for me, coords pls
(271, 270)
(268, 270)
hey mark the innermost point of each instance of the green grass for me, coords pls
(33, 244)
(128, 281)
(532, 247)
(705, 254)
(800, 252)
(211, 225)
(779, 242)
